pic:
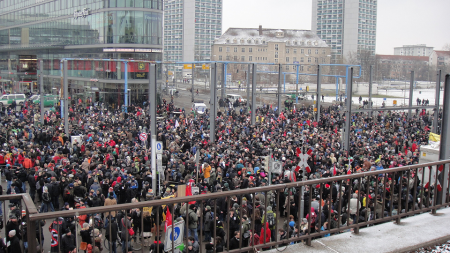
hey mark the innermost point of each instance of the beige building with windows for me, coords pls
(280, 46)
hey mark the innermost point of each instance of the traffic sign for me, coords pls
(26, 73)
(176, 236)
(159, 147)
(277, 167)
(143, 136)
(159, 160)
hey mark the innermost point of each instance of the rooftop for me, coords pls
(401, 57)
(261, 36)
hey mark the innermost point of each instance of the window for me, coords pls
(301, 68)
(235, 58)
(323, 51)
(287, 59)
(276, 60)
(309, 59)
(243, 50)
(302, 51)
(250, 58)
(316, 60)
(250, 50)
(220, 49)
(276, 46)
(287, 50)
(317, 51)
(220, 57)
(287, 67)
(294, 59)
(242, 58)
(309, 51)
(235, 49)
(295, 51)
(228, 58)
(323, 60)
(276, 54)
(228, 49)
(302, 59)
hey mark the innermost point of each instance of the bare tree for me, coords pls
(446, 47)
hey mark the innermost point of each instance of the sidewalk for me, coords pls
(414, 232)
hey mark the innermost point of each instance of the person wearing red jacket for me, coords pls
(268, 234)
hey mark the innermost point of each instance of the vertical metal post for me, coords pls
(348, 114)
(319, 88)
(337, 89)
(436, 112)
(152, 102)
(279, 87)
(444, 151)
(248, 85)
(296, 84)
(192, 79)
(284, 82)
(411, 89)
(66, 102)
(125, 100)
(213, 104)
(41, 88)
(370, 89)
(253, 117)
(224, 83)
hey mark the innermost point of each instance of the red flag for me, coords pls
(297, 168)
(168, 219)
(334, 170)
(309, 152)
(349, 171)
(189, 193)
(297, 152)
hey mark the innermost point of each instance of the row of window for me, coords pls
(250, 58)
(288, 50)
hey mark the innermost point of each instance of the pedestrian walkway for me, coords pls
(412, 233)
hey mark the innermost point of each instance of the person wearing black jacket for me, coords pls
(234, 242)
(67, 242)
(32, 183)
(14, 243)
(112, 236)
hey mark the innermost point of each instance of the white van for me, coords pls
(7, 99)
(234, 97)
(200, 108)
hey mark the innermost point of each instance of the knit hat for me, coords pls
(96, 232)
(269, 208)
(292, 223)
(85, 225)
(208, 208)
(12, 233)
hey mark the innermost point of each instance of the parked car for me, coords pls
(234, 97)
(7, 99)
(49, 100)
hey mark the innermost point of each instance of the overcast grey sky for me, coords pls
(400, 22)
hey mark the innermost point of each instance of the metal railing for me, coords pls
(396, 193)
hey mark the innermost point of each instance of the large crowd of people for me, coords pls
(108, 164)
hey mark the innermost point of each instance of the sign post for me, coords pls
(174, 235)
(154, 164)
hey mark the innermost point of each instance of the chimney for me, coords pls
(260, 30)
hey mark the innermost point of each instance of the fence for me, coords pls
(396, 193)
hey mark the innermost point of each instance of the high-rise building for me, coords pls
(349, 27)
(190, 27)
(414, 50)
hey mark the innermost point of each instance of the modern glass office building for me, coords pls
(51, 30)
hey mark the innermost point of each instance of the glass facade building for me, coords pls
(51, 30)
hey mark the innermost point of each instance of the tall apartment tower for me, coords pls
(190, 27)
(349, 27)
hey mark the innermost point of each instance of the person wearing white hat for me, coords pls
(13, 243)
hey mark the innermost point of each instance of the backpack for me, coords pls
(271, 219)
